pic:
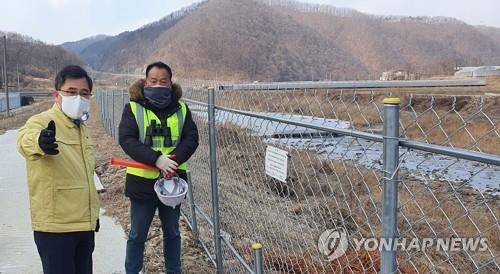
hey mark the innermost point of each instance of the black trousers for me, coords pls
(65, 253)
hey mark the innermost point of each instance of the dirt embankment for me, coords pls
(19, 116)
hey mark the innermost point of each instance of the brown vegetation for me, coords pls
(19, 116)
(249, 40)
(34, 59)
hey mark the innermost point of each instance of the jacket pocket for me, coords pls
(71, 204)
(75, 160)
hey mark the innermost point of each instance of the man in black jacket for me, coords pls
(158, 130)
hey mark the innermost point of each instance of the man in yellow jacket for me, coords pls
(60, 164)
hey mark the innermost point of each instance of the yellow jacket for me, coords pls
(62, 194)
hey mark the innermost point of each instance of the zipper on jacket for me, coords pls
(82, 146)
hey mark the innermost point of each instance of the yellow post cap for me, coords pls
(256, 246)
(211, 88)
(392, 100)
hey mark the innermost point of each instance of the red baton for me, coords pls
(119, 162)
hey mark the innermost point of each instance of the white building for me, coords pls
(478, 71)
(398, 75)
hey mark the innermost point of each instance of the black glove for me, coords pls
(47, 139)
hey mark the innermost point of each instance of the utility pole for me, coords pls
(5, 73)
(17, 72)
(55, 65)
(126, 77)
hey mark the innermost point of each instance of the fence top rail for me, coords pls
(352, 84)
(35, 93)
(339, 131)
(460, 153)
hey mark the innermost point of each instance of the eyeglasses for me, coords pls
(84, 93)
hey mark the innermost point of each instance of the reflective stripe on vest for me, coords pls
(175, 122)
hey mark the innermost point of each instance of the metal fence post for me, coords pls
(106, 111)
(99, 106)
(6, 76)
(108, 117)
(99, 101)
(390, 194)
(122, 106)
(213, 178)
(123, 100)
(117, 121)
(113, 132)
(103, 121)
(194, 223)
(103, 110)
(259, 261)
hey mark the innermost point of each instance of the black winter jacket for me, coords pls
(142, 188)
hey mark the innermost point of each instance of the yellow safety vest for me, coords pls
(143, 117)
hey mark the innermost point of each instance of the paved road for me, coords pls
(17, 250)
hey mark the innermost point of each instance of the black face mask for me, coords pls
(159, 97)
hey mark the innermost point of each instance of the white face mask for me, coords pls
(76, 107)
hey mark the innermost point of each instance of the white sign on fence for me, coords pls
(276, 163)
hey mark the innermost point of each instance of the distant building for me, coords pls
(478, 71)
(398, 75)
(14, 101)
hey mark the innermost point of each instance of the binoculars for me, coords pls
(157, 130)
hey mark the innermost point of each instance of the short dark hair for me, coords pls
(72, 72)
(160, 65)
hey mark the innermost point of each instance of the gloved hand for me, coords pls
(47, 139)
(166, 164)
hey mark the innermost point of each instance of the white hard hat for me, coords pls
(171, 191)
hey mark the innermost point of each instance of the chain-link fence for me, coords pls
(110, 103)
(354, 178)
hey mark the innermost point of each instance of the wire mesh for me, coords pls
(199, 164)
(443, 197)
(335, 181)
(327, 186)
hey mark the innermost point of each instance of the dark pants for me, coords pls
(65, 253)
(141, 216)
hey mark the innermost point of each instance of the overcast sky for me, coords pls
(58, 21)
